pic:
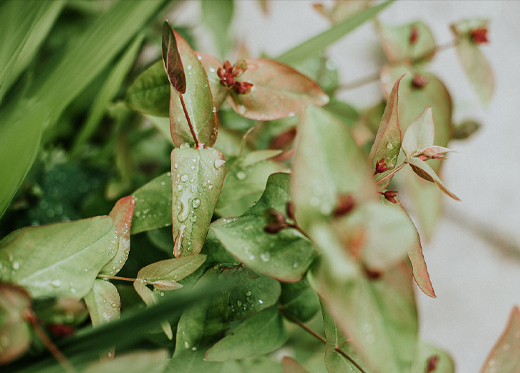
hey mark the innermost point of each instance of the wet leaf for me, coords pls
(259, 334)
(132, 362)
(121, 215)
(153, 205)
(505, 355)
(413, 41)
(387, 144)
(327, 164)
(284, 256)
(252, 295)
(431, 359)
(15, 333)
(198, 329)
(171, 269)
(278, 91)
(58, 260)
(211, 66)
(422, 169)
(172, 60)
(292, 366)
(197, 179)
(150, 92)
(103, 302)
(198, 100)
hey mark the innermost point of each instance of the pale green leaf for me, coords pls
(103, 302)
(132, 362)
(58, 260)
(197, 178)
(420, 134)
(422, 169)
(431, 357)
(171, 269)
(259, 334)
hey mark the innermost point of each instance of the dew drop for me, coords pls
(260, 301)
(241, 175)
(219, 163)
(239, 303)
(389, 145)
(241, 109)
(199, 57)
(56, 283)
(248, 293)
(214, 109)
(265, 256)
(194, 348)
(295, 265)
(211, 69)
(179, 187)
(16, 265)
(196, 203)
(184, 178)
(189, 67)
(291, 114)
(184, 145)
(186, 344)
(175, 166)
(210, 186)
(183, 213)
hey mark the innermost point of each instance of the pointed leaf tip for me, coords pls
(422, 169)
(172, 59)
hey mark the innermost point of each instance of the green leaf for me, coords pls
(245, 182)
(133, 362)
(420, 134)
(197, 178)
(252, 294)
(153, 203)
(217, 16)
(259, 334)
(103, 302)
(58, 260)
(149, 298)
(317, 44)
(211, 66)
(432, 359)
(121, 215)
(422, 169)
(198, 329)
(198, 101)
(107, 93)
(413, 41)
(87, 55)
(278, 91)
(327, 164)
(15, 332)
(387, 144)
(505, 355)
(300, 300)
(172, 59)
(171, 269)
(379, 318)
(292, 366)
(284, 256)
(150, 92)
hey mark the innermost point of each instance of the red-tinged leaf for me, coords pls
(197, 99)
(431, 359)
(121, 215)
(15, 333)
(420, 134)
(408, 42)
(387, 144)
(433, 151)
(422, 169)
(211, 66)
(415, 254)
(477, 69)
(278, 91)
(172, 59)
(505, 355)
(292, 366)
(197, 177)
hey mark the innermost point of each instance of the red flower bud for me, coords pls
(432, 364)
(479, 35)
(346, 204)
(381, 166)
(239, 68)
(61, 330)
(419, 81)
(413, 35)
(228, 67)
(242, 87)
(390, 195)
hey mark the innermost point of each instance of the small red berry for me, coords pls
(479, 35)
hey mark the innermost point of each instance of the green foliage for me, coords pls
(275, 191)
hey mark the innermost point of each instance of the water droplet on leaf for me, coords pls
(241, 175)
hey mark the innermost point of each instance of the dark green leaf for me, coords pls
(300, 300)
(259, 334)
(15, 333)
(150, 92)
(198, 101)
(317, 44)
(103, 302)
(172, 59)
(197, 178)
(278, 91)
(60, 260)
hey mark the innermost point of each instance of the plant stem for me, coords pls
(197, 143)
(109, 277)
(317, 336)
(31, 318)
(297, 227)
(394, 171)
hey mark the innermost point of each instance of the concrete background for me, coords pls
(476, 280)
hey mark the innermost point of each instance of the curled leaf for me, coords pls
(422, 169)
(172, 59)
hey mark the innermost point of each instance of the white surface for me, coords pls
(476, 285)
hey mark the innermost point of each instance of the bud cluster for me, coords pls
(228, 73)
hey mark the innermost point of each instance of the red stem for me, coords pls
(197, 143)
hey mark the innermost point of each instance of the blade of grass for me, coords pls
(317, 44)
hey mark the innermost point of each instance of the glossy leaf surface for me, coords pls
(413, 41)
(197, 177)
(198, 101)
(61, 259)
(171, 269)
(211, 66)
(103, 302)
(505, 356)
(150, 92)
(259, 334)
(278, 91)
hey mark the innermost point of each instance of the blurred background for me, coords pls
(473, 257)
